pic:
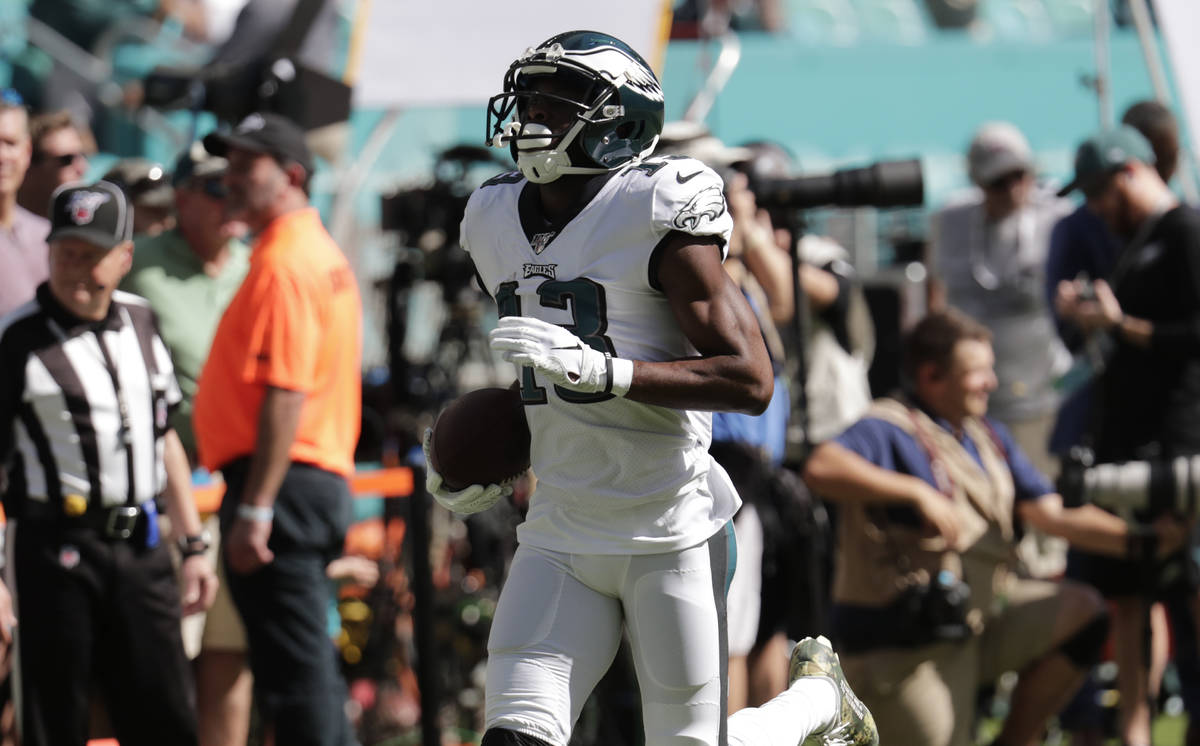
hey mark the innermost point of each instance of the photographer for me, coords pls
(934, 495)
(987, 255)
(1147, 407)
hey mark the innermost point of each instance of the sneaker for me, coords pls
(854, 725)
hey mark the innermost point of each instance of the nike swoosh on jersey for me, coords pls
(685, 179)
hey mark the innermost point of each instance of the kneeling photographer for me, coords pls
(932, 498)
(1147, 422)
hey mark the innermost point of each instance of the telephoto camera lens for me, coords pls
(881, 184)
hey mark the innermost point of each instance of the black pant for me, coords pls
(284, 605)
(103, 610)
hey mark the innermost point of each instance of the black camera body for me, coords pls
(932, 612)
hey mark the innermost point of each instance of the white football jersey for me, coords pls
(614, 476)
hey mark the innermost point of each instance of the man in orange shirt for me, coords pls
(277, 412)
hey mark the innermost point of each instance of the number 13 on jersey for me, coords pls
(584, 298)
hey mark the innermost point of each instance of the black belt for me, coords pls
(115, 522)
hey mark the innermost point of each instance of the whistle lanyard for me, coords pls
(125, 433)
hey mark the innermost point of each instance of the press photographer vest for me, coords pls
(879, 558)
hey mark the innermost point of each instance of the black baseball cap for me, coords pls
(197, 163)
(264, 132)
(1105, 152)
(146, 183)
(97, 213)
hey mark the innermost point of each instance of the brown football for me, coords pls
(481, 438)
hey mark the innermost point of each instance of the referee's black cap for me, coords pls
(264, 132)
(97, 213)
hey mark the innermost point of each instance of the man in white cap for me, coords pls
(988, 258)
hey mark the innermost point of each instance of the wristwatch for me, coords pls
(190, 546)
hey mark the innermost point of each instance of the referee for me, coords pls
(86, 386)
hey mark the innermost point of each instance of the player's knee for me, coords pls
(506, 737)
(1084, 647)
(684, 716)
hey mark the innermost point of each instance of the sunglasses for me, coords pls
(10, 97)
(61, 161)
(1006, 181)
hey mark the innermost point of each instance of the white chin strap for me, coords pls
(537, 161)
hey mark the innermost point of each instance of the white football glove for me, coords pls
(559, 355)
(473, 499)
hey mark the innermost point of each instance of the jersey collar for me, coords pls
(71, 323)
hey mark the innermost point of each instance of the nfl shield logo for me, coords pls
(68, 557)
(540, 241)
(83, 205)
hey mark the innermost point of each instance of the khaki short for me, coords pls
(927, 695)
(220, 628)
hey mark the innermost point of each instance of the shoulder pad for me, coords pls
(494, 191)
(509, 177)
(689, 197)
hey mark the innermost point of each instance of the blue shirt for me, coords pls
(767, 430)
(1080, 244)
(889, 447)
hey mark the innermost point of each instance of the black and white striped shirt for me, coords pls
(63, 384)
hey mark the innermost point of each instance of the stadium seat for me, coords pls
(1071, 17)
(822, 21)
(12, 29)
(892, 20)
(1018, 19)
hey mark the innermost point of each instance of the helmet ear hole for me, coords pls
(629, 129)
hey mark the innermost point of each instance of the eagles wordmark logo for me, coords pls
(540, 241)
(707, 204)
(539, 270)
(83, 205)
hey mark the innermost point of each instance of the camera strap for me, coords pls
(941, 475)
(1135, 245)
(985, 257)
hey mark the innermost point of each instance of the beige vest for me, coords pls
(878, 559)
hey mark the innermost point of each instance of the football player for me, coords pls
(605, 264)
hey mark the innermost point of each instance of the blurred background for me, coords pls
(395, 105)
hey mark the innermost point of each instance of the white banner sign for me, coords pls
(1179, 23)
(454, 52)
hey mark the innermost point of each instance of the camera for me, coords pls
(880, 184)
(427, 217)
(1153, 487)
(432, 305)
(932, 612)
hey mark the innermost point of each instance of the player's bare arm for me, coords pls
(733, 371)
